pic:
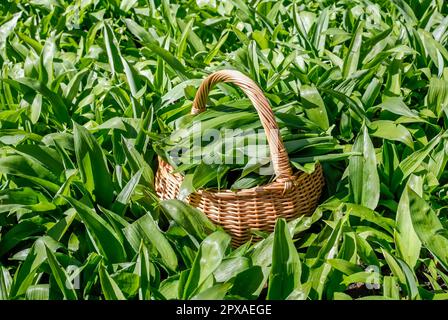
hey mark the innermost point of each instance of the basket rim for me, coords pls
(287, 183)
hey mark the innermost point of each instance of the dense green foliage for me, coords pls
(85, 85)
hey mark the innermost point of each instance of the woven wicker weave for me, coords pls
(238, 212)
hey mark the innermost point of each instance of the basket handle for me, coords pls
(280, 159)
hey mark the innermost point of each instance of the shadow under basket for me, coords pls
(240, 212)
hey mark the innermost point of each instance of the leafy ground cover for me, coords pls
(84, 86)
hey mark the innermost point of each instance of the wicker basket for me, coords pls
(288, 196)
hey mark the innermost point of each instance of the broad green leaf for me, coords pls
(110, 289)
(250, 282)
(209, 257)
(407, 242)
(428, 227)
(191, 219)
(352, 56)
(61, 277)
(396, 106)
(314, 106)
(5, 283)
(106, 239)
(147, 229)
(92, 165)
(363, 174)
(411, 281)
(342, 296)
(127, 282)
(25, 198)
(217, 292)
(230, 268)
(391, 288)
(394, 266)
(286, 267)
(363, 277)
(112, 50)
(143, 268)
(137, 162)
(370, 216)
(25, 276)
(123, 198)
(59, 107)
(6, 29)
(344, 266)
(386, 129)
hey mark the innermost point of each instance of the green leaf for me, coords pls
(31, 170)
(137, 162)
(407, 242)
(396, 106)
(370, 216)
(59, 107)
(250, 282)
(386, 129)
(5, 283)
(230, 268)
(106, 239)
(217, 292)
(183, 38)
(127, 282)
(191, 219)
(365, 251)
(428, 227)
(25, 198)
(314, 106)
(110, 289)
(411, 280)
(363, 174)
(143, 268)
(58, 230)
(341, 296)
(147, 229)
(61, 277)
(92, 165)
(362, 277)
(394, 266)
(112, 50)
(123, 198)
(352, 57)
(209, 57)
(26, 273)
(391, 289)
(5, 30)
(36, 108)
(74, 84)
(406, 10)
(286, 266)
(344, 266)
(209, 257)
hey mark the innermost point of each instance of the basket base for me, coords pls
(242, 212)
